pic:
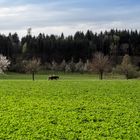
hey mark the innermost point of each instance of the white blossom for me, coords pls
(4, 63)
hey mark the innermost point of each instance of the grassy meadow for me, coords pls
(69, 109)
(63, 76)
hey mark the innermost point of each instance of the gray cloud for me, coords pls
(55, 17)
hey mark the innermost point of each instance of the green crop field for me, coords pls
(70, 110)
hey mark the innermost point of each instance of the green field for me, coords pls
(69, 110)
(63, 76)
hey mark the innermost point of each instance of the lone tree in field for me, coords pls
(100, 64)
(126, 68)
(4, 63)
(32, 66)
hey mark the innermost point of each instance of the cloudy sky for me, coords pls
(68, 16)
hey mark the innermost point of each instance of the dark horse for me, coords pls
(53, 77)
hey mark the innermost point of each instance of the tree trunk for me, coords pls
(127, 75)
(33, 76)
(101, 75)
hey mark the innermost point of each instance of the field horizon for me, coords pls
(62, 76)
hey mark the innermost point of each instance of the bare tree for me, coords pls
(32, 66)
(126, 68)
(70, 67)
(100, 64)
(79, 67)
(4, 63)
(54, 66)
(86, 67)
(62, 66)
(67, 68)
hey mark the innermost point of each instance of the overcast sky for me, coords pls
(68, 16)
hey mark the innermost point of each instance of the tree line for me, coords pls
(80, 47)
(99, 64)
